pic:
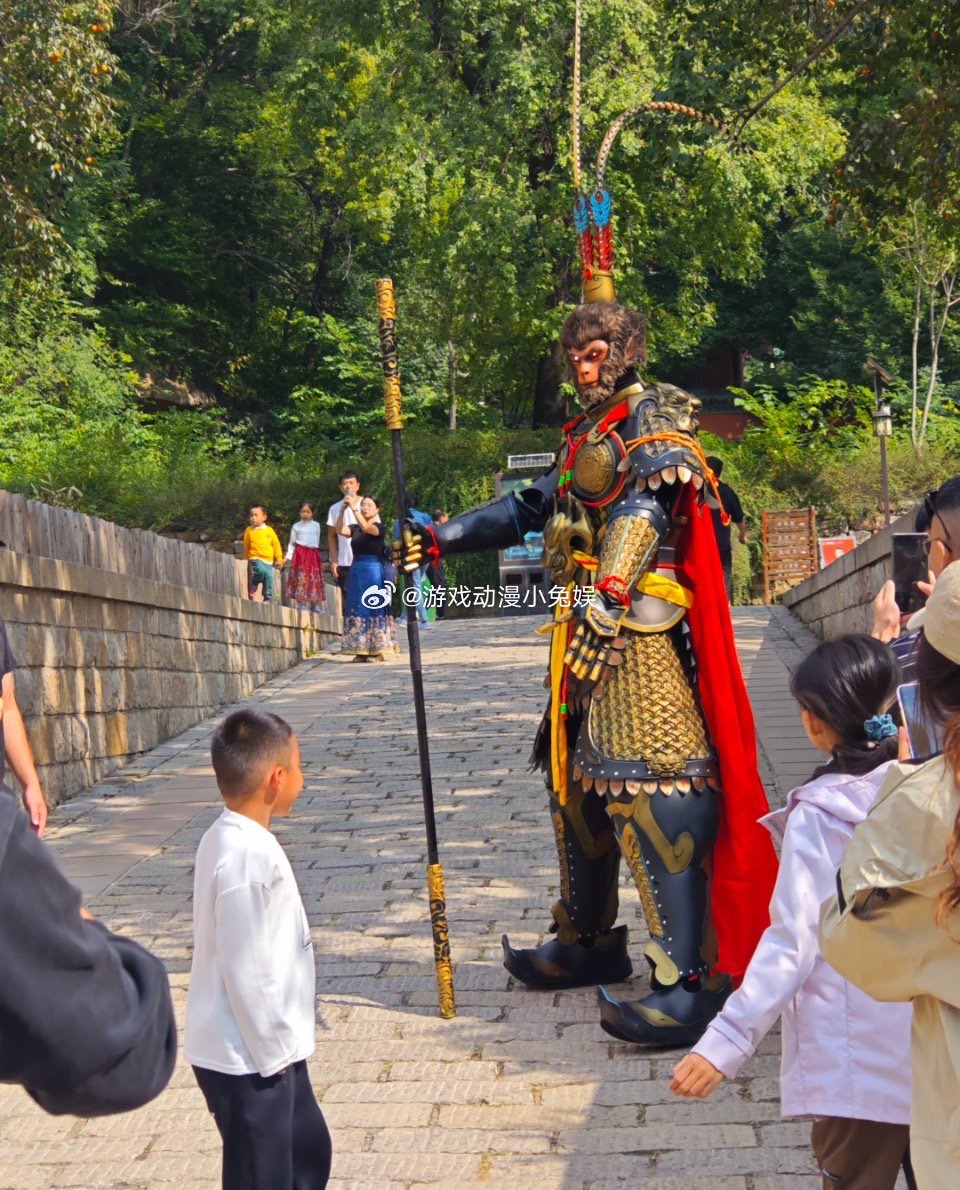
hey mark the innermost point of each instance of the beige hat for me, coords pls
(940, 618)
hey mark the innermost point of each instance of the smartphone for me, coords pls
(910, 566)
(926, 738)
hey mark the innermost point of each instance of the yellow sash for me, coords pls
(558, 726)
(661, 587)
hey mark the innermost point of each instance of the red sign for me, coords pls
(832, 548)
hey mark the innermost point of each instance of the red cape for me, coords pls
(744, 861)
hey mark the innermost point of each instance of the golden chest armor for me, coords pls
(593, 476)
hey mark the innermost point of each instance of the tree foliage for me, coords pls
(220, 212)
(55, 117)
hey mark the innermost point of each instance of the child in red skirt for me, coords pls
(305, 588)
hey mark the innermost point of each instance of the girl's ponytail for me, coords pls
(848, 683)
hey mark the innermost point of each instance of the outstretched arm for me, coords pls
(20, 756)
(495, 525)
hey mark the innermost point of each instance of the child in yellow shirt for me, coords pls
(261, 548)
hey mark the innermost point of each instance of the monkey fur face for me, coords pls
(602, 341)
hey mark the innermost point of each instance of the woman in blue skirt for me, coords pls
(368, 630)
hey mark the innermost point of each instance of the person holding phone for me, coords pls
(892, 925)
(939, 518)
(844, 1057)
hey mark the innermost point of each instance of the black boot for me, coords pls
(571, 965)
(670, 1018)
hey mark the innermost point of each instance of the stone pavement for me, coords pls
(521, 1089)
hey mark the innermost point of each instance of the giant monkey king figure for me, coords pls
(647, 742)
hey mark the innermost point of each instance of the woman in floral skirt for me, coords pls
(305, 578)
(368, 630)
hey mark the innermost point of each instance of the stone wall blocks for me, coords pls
(63, 691)
(116, 741)
(180, 690)
(209, 628)
(105, 688)
(109, 666)
(16, 606)
(28, 686)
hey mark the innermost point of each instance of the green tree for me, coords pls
(55, 118)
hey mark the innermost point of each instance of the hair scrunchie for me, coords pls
(879, 727)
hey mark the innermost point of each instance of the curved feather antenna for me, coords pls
(576, 96)
(665, 107)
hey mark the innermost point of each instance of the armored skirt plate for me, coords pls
(596, 477)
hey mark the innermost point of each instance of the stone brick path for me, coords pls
(521, 1089)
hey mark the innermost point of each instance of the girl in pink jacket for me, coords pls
(846, 1058)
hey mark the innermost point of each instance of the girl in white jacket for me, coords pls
(846, 1058)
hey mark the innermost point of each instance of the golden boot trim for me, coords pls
(676, 856)
(665, 970)
(566, 931)
(560, 837)
(594, 846)
(630, 846)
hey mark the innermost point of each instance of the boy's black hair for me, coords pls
(263, 508)
(847, 681)
(715, 465)
(244, 746)
(348, 475)
(438, 513)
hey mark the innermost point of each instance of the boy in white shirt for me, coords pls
(250, 1020)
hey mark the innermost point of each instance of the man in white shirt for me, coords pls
(250, 1022)
(339, 547)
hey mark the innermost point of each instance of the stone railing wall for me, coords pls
(110, 665)
(49, 531)
(837, 599)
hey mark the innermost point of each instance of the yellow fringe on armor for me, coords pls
(558, 728)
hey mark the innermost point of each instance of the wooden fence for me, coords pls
(48, 531)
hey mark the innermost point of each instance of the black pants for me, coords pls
(727, 564)
(274, 1134)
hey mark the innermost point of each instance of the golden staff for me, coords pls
(393, 401)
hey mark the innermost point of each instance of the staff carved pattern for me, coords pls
(389, 356)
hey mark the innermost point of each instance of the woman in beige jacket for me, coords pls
(893, 928)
